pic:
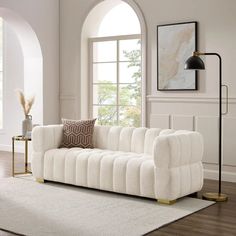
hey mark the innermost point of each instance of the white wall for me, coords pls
(179, 110)
(197, 110)
(13, 65)
(43, 18)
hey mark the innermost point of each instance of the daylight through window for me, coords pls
(116, 80)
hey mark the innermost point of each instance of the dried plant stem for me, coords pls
(25, 103)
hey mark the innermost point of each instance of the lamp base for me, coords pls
(215, 197)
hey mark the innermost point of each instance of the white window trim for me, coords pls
(143, 76)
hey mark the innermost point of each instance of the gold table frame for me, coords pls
(22, 139)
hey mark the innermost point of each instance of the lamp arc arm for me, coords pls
(197, 53)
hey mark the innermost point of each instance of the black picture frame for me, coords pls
(163, 86)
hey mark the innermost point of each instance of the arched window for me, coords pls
(120, 20)
(115, 68)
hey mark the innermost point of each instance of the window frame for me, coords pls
(90, 62)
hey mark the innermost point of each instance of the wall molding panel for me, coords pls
(172, 99)
(229, 141)
(200, 114)
(182, 122)
(208, 127)
(160, 121)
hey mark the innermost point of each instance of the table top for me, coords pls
(21, 138)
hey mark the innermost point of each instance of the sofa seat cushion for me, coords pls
(117, 171)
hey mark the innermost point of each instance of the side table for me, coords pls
(21, 139)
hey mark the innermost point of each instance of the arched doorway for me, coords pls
(33, 60)
(96, 25)
(22, 69)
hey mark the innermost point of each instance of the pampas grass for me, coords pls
(26, 103)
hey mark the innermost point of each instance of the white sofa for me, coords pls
(154, 163)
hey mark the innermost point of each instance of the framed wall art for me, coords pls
(175, 44)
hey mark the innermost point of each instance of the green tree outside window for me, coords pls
(127, 111)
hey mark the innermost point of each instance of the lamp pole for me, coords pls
(195, 62)
(220, 115)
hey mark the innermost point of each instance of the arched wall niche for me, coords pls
(90, 29)
(33, 59)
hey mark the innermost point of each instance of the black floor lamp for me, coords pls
(196, 63)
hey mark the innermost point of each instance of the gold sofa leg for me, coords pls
(40, 180)
(166, 202)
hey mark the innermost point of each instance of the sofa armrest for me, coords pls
(44, 138)
(178, 149)
(178, 161)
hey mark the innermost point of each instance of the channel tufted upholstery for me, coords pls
(153, 163)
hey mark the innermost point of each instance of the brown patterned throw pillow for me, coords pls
(78, 133)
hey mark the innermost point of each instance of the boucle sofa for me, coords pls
(155, 163)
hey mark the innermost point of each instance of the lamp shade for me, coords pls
(194, 63)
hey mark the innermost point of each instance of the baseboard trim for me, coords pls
(8, 148)
(226, 175)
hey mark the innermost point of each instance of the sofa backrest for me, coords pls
(127, 139)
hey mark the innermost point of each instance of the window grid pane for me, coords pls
(101, 75)
(117, 99)
(109, 47)
(130, 49)
(105, 94)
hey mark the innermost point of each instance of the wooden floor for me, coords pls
(219, 219)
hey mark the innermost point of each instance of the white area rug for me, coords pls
(30, 208)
